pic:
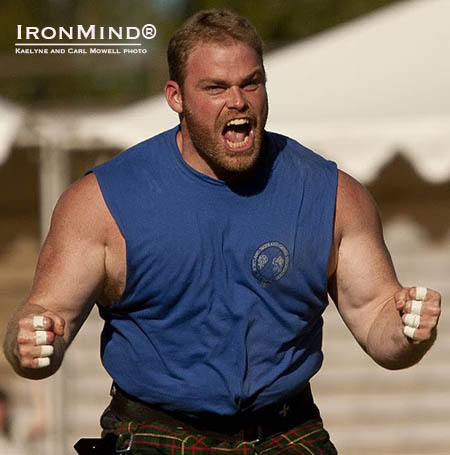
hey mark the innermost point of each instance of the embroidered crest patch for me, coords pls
(270, 262)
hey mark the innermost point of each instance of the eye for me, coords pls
(215, 89)
(250, 86)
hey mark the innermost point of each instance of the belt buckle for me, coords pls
(124, 442)
(258, 432)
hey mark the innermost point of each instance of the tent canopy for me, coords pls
(357, 94)
(370, 88)
(11, 119)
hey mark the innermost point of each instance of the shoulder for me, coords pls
(356, 211)
(297, 156)
(290, 146)
(81, 195)
(357, 223)
(139, 154)
(81, 211)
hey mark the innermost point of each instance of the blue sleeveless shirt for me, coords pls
(225, 288)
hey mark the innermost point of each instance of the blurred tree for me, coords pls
(282, 21)
(120, 78)
(78, 78)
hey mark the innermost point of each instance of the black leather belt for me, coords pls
(245, 426)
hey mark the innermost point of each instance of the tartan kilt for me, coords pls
(144, 438)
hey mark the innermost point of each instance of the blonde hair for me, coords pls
(209, 26)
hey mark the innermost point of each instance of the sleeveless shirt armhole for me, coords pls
(332, 166)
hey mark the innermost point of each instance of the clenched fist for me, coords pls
(420, 309)
(36, 338)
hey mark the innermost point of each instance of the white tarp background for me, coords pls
(370, 88)
(11, 120)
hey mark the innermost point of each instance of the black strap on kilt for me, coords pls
(246, 426)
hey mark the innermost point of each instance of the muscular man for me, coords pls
(210, 250)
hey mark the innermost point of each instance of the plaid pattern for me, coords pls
(309, 438)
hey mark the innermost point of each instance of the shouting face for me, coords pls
(224, 105)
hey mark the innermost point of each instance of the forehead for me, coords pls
(230, 62)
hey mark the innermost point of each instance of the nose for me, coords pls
(236, 100)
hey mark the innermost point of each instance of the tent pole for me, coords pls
(54, 177)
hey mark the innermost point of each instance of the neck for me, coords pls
(245, 182)
(190, 155)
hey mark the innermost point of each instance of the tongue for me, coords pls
(234, 136)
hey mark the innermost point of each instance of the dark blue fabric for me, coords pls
(225, 287)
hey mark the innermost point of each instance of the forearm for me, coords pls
(387, 344)
(17, 345)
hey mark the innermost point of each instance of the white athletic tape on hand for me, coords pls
(47, 350)
(409, 331)
(421, 293)
(38, 322)
(41, 337)
(416, 307)
(413, 320)
(43, 362)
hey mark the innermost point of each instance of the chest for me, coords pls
(224, 246)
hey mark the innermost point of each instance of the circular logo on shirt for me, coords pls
(270, 262)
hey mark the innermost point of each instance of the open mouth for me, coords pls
(238, 134)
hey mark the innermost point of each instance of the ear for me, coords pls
(173, 96)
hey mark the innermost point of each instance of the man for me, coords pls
(210, 250)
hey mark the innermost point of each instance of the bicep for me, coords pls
(70, 270)
(364, 278)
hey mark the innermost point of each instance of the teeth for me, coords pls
(238, 121)
(235, 145)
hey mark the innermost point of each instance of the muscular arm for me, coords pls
(68, 280)
(365, 288)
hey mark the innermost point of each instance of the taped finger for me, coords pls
(46, 350)
(38, 322)
(43, 362)
(409, 331)
(412, 320)
(421, 293)
(416, 307)
(41, 337)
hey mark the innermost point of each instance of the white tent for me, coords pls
(11, 120)
(370, 88)
(356, 94)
